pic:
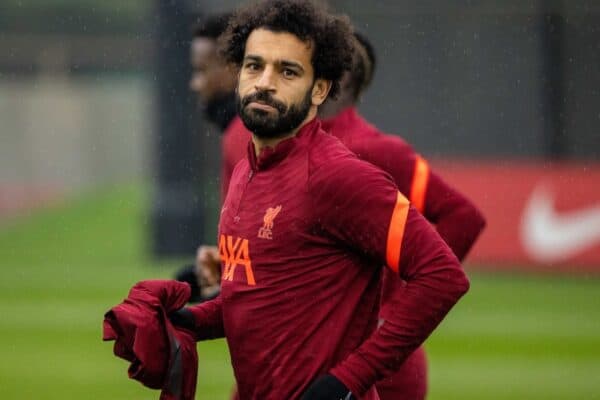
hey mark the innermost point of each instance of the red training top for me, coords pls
(303, 230)
(457, 219)
(162, 356)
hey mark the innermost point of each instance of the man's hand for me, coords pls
(327, 387)
(183, 318)
(208, 270)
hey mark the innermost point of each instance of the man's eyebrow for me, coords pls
(293, 64)
(251, 57)
(283, 63)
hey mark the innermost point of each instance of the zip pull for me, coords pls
(250, 175)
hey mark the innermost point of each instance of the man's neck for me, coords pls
(262, 143)
(332, 108)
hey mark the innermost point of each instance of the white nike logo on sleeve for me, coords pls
(548, 236)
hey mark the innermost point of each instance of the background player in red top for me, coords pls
(213, 81)
(457, 220)
(301, 242)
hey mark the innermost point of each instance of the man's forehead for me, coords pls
(273, 46)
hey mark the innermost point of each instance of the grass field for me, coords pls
(512, 337)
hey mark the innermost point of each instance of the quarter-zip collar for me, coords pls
(270, 156)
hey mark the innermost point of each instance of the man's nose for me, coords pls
(266, 80)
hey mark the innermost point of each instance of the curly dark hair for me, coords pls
(330, 35)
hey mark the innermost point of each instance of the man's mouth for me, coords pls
(261, 106)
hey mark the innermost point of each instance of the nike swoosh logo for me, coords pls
(548, 236)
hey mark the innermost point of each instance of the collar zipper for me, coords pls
(236, 218)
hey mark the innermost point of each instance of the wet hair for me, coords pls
(363, 65)
(212, 27)
(329, 35)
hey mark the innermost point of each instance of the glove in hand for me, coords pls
(327, 387)
(183, 318)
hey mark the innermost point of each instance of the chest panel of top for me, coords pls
(267, 223)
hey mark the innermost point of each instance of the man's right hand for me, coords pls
(208, 270)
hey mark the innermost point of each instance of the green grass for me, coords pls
(61, 269)
(511, 337)
(520, 337)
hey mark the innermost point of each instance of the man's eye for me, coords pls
(252, 66)
(288, 73)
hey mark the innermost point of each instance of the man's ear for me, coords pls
(320, 91)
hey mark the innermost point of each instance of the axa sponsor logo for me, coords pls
(266, 231)
(549, 236)
(234, 252)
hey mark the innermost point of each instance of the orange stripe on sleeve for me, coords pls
(396, 232)
(419, 184)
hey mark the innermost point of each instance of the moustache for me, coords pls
(265, 98)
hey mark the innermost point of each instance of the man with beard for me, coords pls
(456, 219)
(306, 225)
(213, 80)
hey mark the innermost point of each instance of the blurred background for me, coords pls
(109, 174)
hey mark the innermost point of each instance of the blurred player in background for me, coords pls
(456, 219)
(213, 81)
(301, 283)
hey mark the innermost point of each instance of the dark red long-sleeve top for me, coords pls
(303, 231)
(162, 356)
(457, 220)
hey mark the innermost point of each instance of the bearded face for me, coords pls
(277, 89)
(267, 117)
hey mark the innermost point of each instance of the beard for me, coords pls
(273, 124)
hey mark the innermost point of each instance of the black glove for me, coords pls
(183, 318)
(327, 387)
